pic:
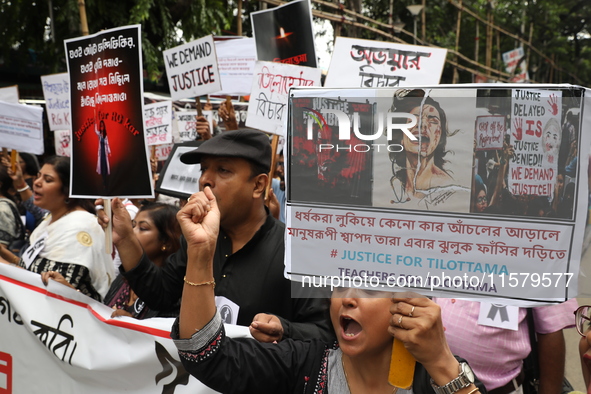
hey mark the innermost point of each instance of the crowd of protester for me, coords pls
(227, 241)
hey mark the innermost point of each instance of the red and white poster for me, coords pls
(109, 151)
(357, 63)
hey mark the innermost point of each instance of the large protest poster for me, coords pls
(192, 69)
(21, 127)
(267, 110)
(236, 60)
(372, 64)
(432, 218)
(72, 345)
(158, 120)
(109, 152)
(56, 91)
(284, 34)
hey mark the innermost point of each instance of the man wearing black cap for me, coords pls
(248, 263)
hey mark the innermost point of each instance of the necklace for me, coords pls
(394, 390)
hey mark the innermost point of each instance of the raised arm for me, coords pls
(200, 221)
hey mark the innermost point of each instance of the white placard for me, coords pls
(158, 123)
(192, 69)
(62, 140)
(56, 91)
(21, 127)
(359, 63)
(9, 94)
(270, 91)
(236, 60)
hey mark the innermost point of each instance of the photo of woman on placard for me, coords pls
(104, 152)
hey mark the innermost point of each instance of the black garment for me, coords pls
(118, 296)
(252, 278)
(243, 365)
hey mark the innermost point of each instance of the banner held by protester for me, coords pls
(400, 202)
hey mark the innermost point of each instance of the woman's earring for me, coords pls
(163, 248)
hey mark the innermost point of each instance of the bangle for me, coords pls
(211, 282)
(22, 189)
(473, 391)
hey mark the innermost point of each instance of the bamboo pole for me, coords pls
(83, 21)
(458, 26)
(239, 19)
(424, 21)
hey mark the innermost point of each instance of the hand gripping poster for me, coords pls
(451, 190)
(109, 153)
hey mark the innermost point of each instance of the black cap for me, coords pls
(249, 144)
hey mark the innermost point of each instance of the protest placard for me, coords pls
(56, 91)
(407, 201)
(178, 179)
(158, 120)
(62, 140)
(490, 130)
(9, 94)
(537, 140)
(192, 69)
(269, 94)
(284, 34)
(236, 59)
(21, 127)
(515, 63)
(109, 151)
(357, 63)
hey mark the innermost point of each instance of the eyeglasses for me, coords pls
(582, 319)
(480, 200)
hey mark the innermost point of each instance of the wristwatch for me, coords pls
(464, 379)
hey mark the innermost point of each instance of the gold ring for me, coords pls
(411, 311)
(400, 323)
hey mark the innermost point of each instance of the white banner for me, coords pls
(236, 59)
(270, 91)
(56, 340)
(158, 123)
(359, 63)
(21, 127)
(56, 91)
(192, 69)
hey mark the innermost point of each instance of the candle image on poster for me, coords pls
(536, 137)
(109, 153)
(284, 34)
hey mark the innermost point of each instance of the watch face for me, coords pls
(468, 372)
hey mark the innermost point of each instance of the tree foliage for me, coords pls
(32, 31)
